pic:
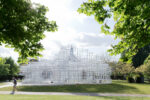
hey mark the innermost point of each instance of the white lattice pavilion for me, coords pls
(70, 66)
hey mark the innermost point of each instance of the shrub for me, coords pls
(145, 70)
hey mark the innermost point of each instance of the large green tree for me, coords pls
(140, 56)
(131, 18)
(22, 26)
(13, 67)
(8, 68)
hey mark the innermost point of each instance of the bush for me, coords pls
(147, 72)
(130, 80)
(144, 70)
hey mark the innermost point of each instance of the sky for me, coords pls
(74, 29)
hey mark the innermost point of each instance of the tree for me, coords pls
(8, 68)
(121, 69)
(4, 68)
(144, 69)
(147, 60)
(139, 58)
(147, 73)
(22, 26)
(132, 22)
(13, 68)
(2, 61)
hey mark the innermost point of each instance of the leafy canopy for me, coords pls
(121, 68)
(132, 22)
(13, 67)
(8, 67)
(140, 57)
(22, 26)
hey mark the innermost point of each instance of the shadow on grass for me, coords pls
(84, 88)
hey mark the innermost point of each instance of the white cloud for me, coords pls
(97, 43)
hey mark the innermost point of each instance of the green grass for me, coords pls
(115, 87)
(54, 97)
(2, 83)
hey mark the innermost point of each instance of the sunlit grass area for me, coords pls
(2, 83)
(115, 87)
(57, 97)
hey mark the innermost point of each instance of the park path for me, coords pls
(65, 93)
(81, 94)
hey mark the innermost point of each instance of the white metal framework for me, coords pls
(71, 66)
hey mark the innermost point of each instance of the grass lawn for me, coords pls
(54, 97)
(115, 87)
(2, 83)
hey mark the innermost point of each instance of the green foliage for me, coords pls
(8, 67)
(139, 58)
(144, 69)
(147, 59)
(4, 69)
(147, 73)
(129, 72)
(2, 60)
(132, 22)
(122, 69)
(22, 26)
(13, 68)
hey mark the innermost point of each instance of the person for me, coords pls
(14, 85)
